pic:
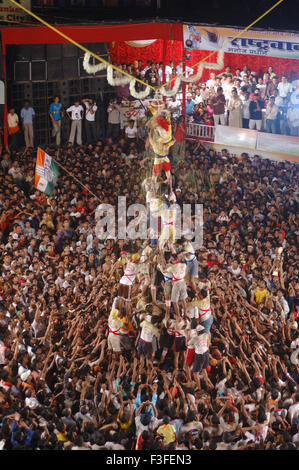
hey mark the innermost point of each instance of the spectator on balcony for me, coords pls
(272, 85)
(285, 88)
(218, 105)
(235, 110)
(206, 120)
(271, 115)
(271, 72)
(197, 113)
(27, 115)
(209, 110)
(227, 87)
(204, 92)
(13, 129)
(255, 109)
(237, 85)
(76, 117)
(56, 114)
(245, 98)
(293, 120)
(113, 128)
(189, 105)
(90, 120)
(174, 107)
(212, 81)
(261, 87)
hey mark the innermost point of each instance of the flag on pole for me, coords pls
(46, 172)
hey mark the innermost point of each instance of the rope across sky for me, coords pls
(130, 79)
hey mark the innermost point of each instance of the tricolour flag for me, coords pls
(46, 172)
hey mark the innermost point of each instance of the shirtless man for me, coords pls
(127, 280)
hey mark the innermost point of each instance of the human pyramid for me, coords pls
(169, 304)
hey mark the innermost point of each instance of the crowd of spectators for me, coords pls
(67, 383)
(240, 91)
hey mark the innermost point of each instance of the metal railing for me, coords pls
(200, 131)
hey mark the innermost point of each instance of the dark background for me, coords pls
(221, 12)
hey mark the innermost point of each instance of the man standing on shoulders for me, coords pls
(77, 112)
(56, 113)
(27, 115)
(218, 105)
(90, 120)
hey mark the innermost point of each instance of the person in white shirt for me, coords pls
(131, 131)
(90, 121)
(174, 107)
(168, 70)
(285, 88)
(179, 68)
(227, 88)
(284, 304)
(145, 338)
(212, 81)
(13, 129)
(245, 98)
(76, 115)
(261, 87)
(271, 115)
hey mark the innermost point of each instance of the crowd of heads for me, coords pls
(63, 384)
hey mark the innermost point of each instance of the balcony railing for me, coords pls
(200, 131)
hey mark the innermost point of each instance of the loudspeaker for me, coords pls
(22, 52)
(22, 71)
(64, 92)
(38, 70)
(28, 91)
(54, 51)
(70, 67)
(69, 50)
(38, 52)
(55, 70)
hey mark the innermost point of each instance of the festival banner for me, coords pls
(46, 173)
(11, 13)
(264, 43)
(130, 110)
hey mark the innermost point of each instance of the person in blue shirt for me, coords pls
(27, 115)
(56, 113)
(189, 105)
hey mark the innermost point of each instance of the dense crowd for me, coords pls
(110, 343)
(244, 99)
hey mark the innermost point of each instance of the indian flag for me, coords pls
(46, 172)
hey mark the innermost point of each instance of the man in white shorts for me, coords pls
(179, 288)
(168, 214)
(127, 280)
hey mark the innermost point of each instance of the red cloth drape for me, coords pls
(120, 52)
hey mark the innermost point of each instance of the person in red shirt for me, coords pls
(179, 133)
